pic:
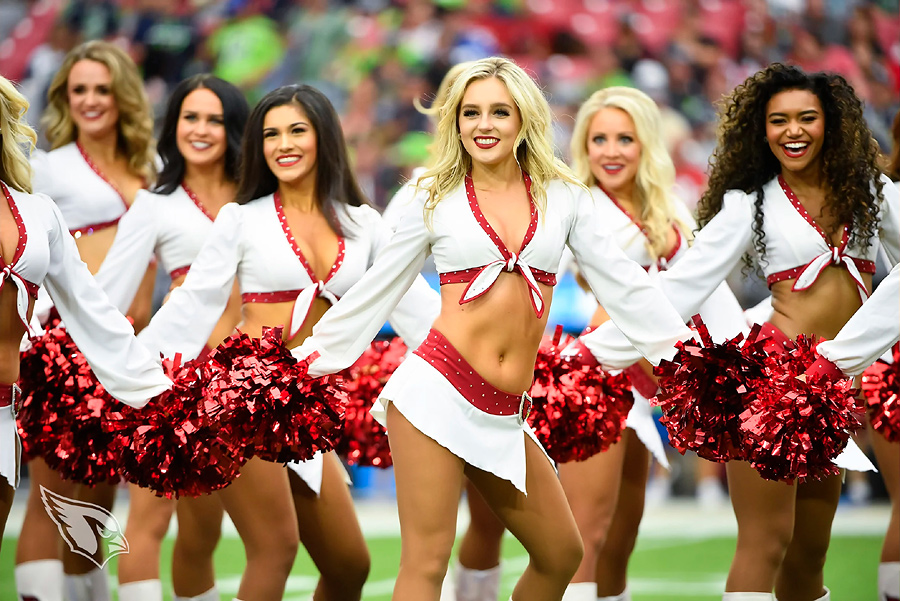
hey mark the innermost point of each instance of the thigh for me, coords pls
(635, 471)
(816, 503)
(760, 506)
(429, 483)
(40, 538)
(200, 521)
(329, 528)
(888, 456)
(260, 505)
(148, 513)
(592, 486)
(6, 498)
(540, 520)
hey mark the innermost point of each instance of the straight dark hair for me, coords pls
(235, 112)
(335, 181)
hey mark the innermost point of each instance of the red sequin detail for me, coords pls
(21, 243)
(180, 271)
(197, 202)
(338, 261)
(100, 174)
(661, 262)
(881, 385)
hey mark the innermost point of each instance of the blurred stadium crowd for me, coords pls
(374, 57)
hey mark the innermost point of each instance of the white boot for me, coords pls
(826, 596)
(748, 597)
(93, 586)
(210, 595)
(476, 585)
(141, 590)
(580, 591)
(889, 581)
(41, 580)
(623, 596)
(448, 589)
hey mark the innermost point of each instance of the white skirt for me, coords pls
(640, 419)
(493, 443)
(10, 447)
(312, 470)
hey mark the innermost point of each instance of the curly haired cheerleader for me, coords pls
(795, 181)
(496, 209)
(99, 123)
(37, 249)
(299, 235)
(200, 150)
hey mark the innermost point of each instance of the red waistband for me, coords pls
(90, 229)
(280, 296)
(864, 266)
(9, 394)
(438, 351)
(464, 276)
(775, 339)
(177, 273)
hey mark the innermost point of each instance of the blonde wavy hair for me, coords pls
(655, 177)
(135, 126)
(15, 137)
(449, 160)
(440, 97)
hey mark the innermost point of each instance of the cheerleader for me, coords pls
(795, 181)
(617, 150)
(495, 209)
(298, 237)
(99, 124)
(38, 250)
(199, 147)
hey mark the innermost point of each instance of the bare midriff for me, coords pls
(821, 310)
(257, 316)
(93, 247)
(231, 316)
(497, 333)
(11, 332)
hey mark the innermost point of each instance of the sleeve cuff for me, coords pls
(824, 368)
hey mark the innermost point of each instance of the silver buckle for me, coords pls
(16, 403)
(524, 408)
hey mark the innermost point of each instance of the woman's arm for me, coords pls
(135, 241)
(347, 328)
(127, 369)
(184, 323)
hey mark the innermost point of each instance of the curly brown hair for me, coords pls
(893, 170)
(743, 160)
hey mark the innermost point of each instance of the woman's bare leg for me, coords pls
(429, 482)
(148, 522)
(592, 489)
(612, 561)
(259, 503)
(199, 531)
(541, 521)
(39, 538)
(329, 529)
(479, 548)
(7, 493)
(888, 456)
(765, 518)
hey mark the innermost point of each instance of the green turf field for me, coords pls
(680, 569)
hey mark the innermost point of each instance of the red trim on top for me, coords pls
(864, 266)
(661, 262)
(845, 235)
(95, 169)
(197, 202)
(279, 296)
(465, 276)
(21, 243)
(339, 260)
(94, 227)
(178, 272)
(486, 226)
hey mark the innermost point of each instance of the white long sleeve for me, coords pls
(127, 369)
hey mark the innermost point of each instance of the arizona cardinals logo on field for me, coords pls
(85, 527)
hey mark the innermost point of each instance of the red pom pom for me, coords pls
(702, 394)
(63, 414)
(182, 443)
(364, 441)
(280, 413)
(881, 385)
(579, 410)
(795, 428)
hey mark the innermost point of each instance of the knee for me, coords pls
(429, 566)
(277, 550)
(197, 542)
(560, 560)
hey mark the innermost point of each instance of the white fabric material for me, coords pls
(872, 330)
(476, 585)
(760, 313)
(10, 447)
(448, 590)
(169, 226)
(143, 590)
(888, 580)
(623, 596)
(41, 580)
(125, 368)
(83, 197)
(494, 443)
(248, 242)
(852, 458)
(790, 242)
(210, 595)
(748, 597)
(826, 596)
(93, 586)
(312, 470)
(458, 242)
(640, 419)
(581, 591)
(402, 199)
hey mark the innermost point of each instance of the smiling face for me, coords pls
(200, 134)
(795, 130)
(614, 151)
(489, 122)
(91, 101)
(289, 143)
